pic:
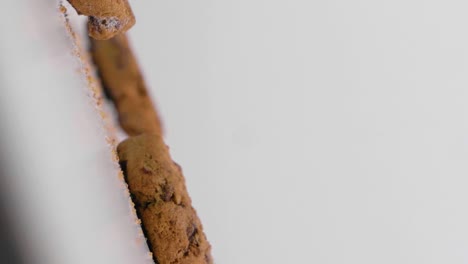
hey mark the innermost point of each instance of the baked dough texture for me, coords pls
(172, 228)
(171, 225)
(107, 18)
(121, 78)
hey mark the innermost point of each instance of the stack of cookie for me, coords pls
(173, 230)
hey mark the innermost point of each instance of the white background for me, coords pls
(316, 131)
(60, 198)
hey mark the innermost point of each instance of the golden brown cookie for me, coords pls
(123, 81)
(107, 18)
(172, 227)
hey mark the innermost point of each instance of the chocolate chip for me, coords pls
(141, 89)
(167, 192)
(191, 232)
(146, 204)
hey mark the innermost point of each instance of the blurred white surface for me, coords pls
(317, 131)
(64, 194)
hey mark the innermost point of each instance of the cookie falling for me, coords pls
(107, 18)
(173, 230)
(121, 78)
(170, 223)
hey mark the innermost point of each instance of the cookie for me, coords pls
(123, 82)
(173, 230)
(107, 18)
